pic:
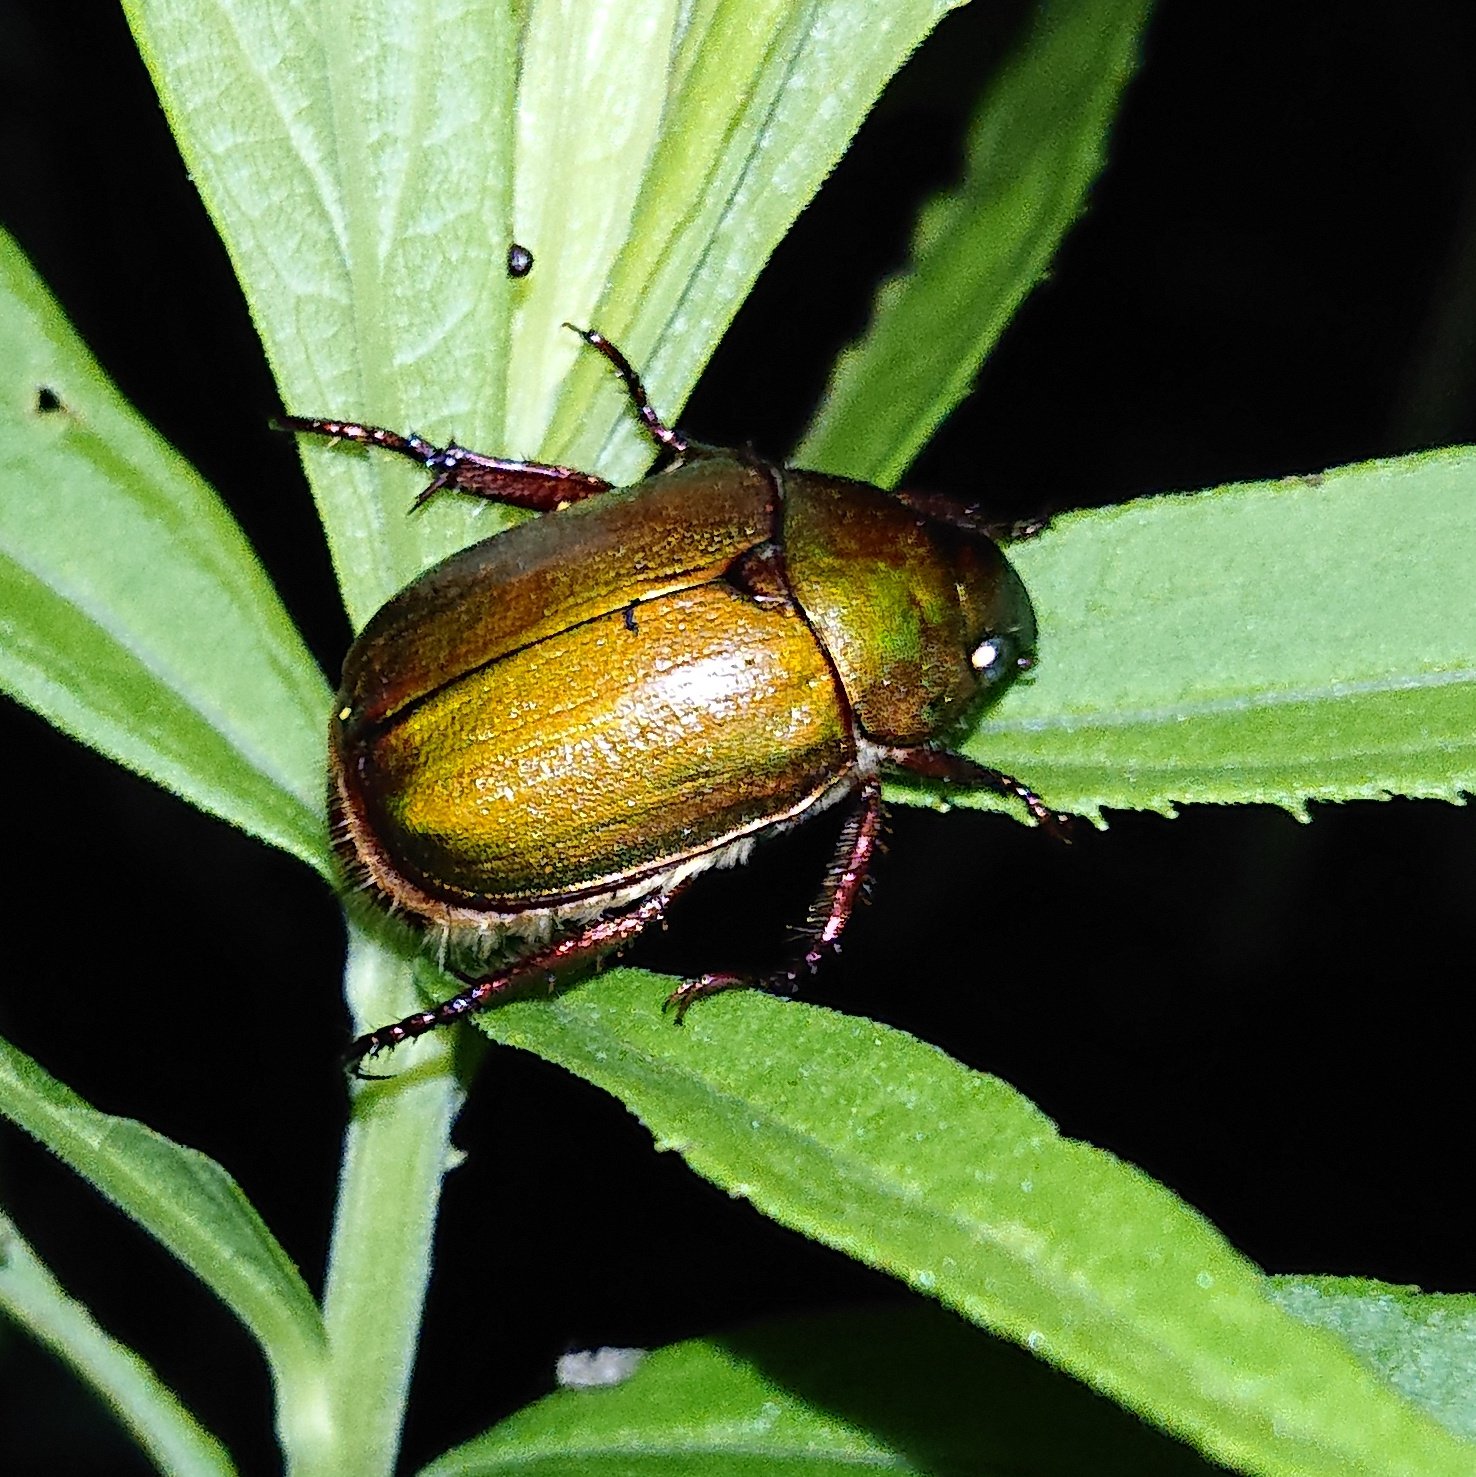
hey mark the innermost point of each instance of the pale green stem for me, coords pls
(396, 1153)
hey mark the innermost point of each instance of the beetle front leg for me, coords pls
(595, 939)
(845, 880)
(942, 764)
(666, 437)
(943, 509)
(537, 486)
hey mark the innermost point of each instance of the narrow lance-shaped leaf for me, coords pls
(765, 98)
(877, 1144)
(133, 614)
(1037, 142)
(1422, 1343)
(188, 1203)
(171, 1436)
(906, 1389)
(357, 164)
(1277, 642)
(609, 58)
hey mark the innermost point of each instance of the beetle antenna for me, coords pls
(664, 436)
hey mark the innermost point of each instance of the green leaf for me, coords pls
(594, 53)
(1421, 1343)
(367, 198)
(356, 161)
(133, 614)
(1313, 638)
(171, 1436)
(900, 1390)
(763, 96)
(881, 1146)
(189, 1204)
(1037, 142)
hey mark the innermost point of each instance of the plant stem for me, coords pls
(395, 1156)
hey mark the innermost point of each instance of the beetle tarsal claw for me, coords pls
(426, 494)
(354, 1058)
(1060, 825)
(689, 992)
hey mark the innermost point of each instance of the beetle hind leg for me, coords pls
(537, 486)
(540, 487)
(590, 943)
(845, 882)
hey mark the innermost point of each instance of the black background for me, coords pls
(1277, 274)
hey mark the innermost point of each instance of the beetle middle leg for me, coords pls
(599, 937)
(845, 880)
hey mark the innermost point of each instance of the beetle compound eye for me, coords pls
(1000, 656)
(984, 658)
(996, 658)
